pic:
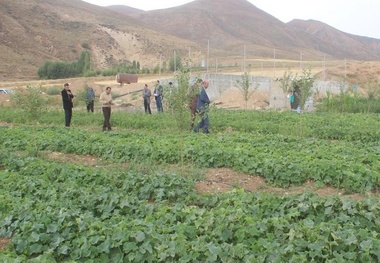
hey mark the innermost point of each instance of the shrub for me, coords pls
(53, 91)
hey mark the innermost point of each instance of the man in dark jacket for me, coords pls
(67, 100)
(202, 108)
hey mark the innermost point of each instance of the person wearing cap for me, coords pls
(106, 101)
(67, 101)
(203, 108)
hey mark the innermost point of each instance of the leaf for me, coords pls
(351, 240)
(366, 245)
(214, 249)
(105, 246)
(129, 246)
(63, 249)
(52, 228)
(140, 236)
(34, 237)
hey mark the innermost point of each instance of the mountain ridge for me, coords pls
(33, 32)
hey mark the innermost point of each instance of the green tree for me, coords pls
(31, 102)
(175, 63)
(244, 86)
(179, 101)
(372, 91)
(58, 69)
(305, 82)
(286, 85)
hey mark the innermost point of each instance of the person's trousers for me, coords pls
(159, 104)
(90, 106)
(147, 106)
(107, 117)
(68, 115)
(204, 123)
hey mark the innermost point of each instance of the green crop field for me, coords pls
(137, 202)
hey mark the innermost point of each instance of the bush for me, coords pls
(53, 91)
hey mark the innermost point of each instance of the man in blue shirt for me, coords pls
(158, 95)
(90, 98)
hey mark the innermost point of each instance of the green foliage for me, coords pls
(179, 99)
(81, 95)
(351, 101)
(244, 86)
(31, 102)
(156, 69)
(286, 82)
(53, 90)
(175, 63)
(132, 69)
(283, 160)
(102, 215)
(305, 83)
(131, 205)
(60, 70)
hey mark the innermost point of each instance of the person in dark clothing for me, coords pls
(67, 100)
(146, 94)
(203, 108)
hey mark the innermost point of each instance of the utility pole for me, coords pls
(244, 61)
(208, 55)
(174, 62)
(274, 62)
(160, 65)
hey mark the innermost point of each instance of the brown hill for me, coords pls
(34, 31)
(347, 45)
(230, 24)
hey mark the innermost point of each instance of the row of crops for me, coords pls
(120, 211)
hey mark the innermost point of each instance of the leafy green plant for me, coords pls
(286, 84)
(372, 92)
(175, 63)
(244, 86)
(53, 90)
(32, 103)
(305, 83)
(57, 69)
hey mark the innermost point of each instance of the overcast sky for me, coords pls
(358, 17)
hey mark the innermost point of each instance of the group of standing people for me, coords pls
(158, 97)
(198, 104)
(105, 100)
